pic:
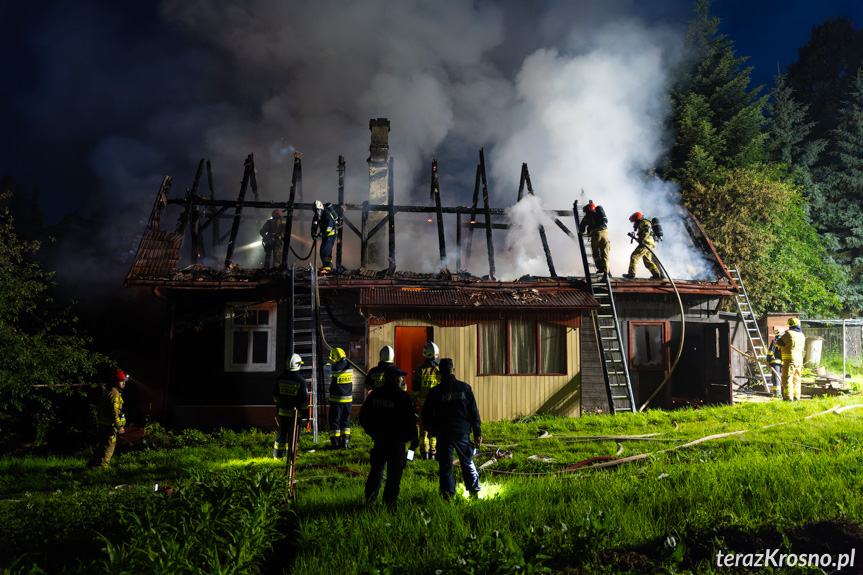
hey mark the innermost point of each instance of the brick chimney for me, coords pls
(379, 183)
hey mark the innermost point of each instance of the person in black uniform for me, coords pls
(341, 398)
(325, 224)
(450, 414)
(290, 392)
(388, 416)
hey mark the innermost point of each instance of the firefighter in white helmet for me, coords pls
(426, 376)
(385, 368)
(325, 225)
(341, 398)
(289, 393)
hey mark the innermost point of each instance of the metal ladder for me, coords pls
(302, 338)
(756, 343)
(614, 369)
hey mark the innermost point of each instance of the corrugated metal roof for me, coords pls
(477, 298)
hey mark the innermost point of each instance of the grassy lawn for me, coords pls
(778, 475)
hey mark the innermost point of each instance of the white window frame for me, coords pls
(231, 309)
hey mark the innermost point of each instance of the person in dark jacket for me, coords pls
(388, 416)
(325, 225)
(595, 225)
(290, 392)
(273, 240)
(385, 369)
(450, 414)
(341, 398)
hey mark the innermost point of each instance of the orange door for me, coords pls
(409, 349)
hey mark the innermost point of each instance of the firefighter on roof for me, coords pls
(376, 376)
(595, 225)
(341, 398)
(112, 420)
(426, 376)
(325, 226)
(291, 397)
(644, 230)
(273, 239)
(791, 343)
(387, 415)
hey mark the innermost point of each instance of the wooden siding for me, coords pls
(594, 395)
(499, 397)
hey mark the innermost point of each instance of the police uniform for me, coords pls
(387, 415)
(450, 414)
(341, 398)
(426, 376)
(290, 392)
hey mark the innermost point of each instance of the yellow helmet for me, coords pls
(337, 354)
(793, 322)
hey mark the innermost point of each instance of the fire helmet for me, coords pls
(589, 207)
(295, 362)
(635, 217)
(388, 354)
(121, 375)
(793, 322)
(430, 350)
(319, 205)
(277, 214)
(336, 354)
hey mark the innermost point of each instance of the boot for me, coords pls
(629, 276)
(657, 275)
(346, 439)
(335, 441)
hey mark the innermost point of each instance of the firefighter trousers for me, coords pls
(791, 373)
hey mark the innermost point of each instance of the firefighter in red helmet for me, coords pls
(644, 230)
(273, 240)
(112, 420)
(595, 225)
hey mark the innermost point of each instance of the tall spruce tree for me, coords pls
(838, 207)
(718, 120)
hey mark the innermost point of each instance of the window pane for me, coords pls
(240, 347)
(552, 347)
(522, 346)
(263, 317)
(647, 346)
(492, 347)
(259, 346)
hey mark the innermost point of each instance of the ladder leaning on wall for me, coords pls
(747, 316)
(302, 338)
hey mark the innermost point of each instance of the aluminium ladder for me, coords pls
(756, 343)
(303, 337)
(618, 384)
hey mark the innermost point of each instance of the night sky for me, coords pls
(100, 100)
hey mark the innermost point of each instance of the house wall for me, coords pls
(498, 397)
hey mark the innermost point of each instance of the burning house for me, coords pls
(566, 344)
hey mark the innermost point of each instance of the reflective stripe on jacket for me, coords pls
(792, 342)
(342, 382)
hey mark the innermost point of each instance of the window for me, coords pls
(521, 347)
(647, 345)
(250, 337)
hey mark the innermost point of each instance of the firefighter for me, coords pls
(290, 393)
(388, 416)
(325, 226)
(377, 374)
(112, 420)
(426, 376)
(594, 224)
(450, 414)
(341, 398)
(644, 230)
(774, 360)
(273, 239)
(792, 342)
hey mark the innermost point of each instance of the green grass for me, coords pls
(673, 508)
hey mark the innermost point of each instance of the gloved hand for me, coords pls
(478, 440)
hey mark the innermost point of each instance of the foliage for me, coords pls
(41, 351)
(757, 221)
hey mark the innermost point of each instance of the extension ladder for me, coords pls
(614, 369)
(303, 337)
(747, 316)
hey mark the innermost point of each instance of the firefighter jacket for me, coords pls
(774, 355)
(644, 229)
(450, 409)
(792, 342)
(111, 411)
(342, 382)
(426, 376)
(383, 372)
(291, 392)
(325, 225)
(388, 415)
(273, 233)
(594, 220)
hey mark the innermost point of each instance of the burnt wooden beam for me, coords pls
(212, 198)
(160, 204)
(391, 196)
(581, 246)
(187, 201)
(214, 220)
(296, 184)
(458, 242)
(248, 167)
(486, 208)
(340, 212)
(364, 238)
(435, 193)
(476, 185)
